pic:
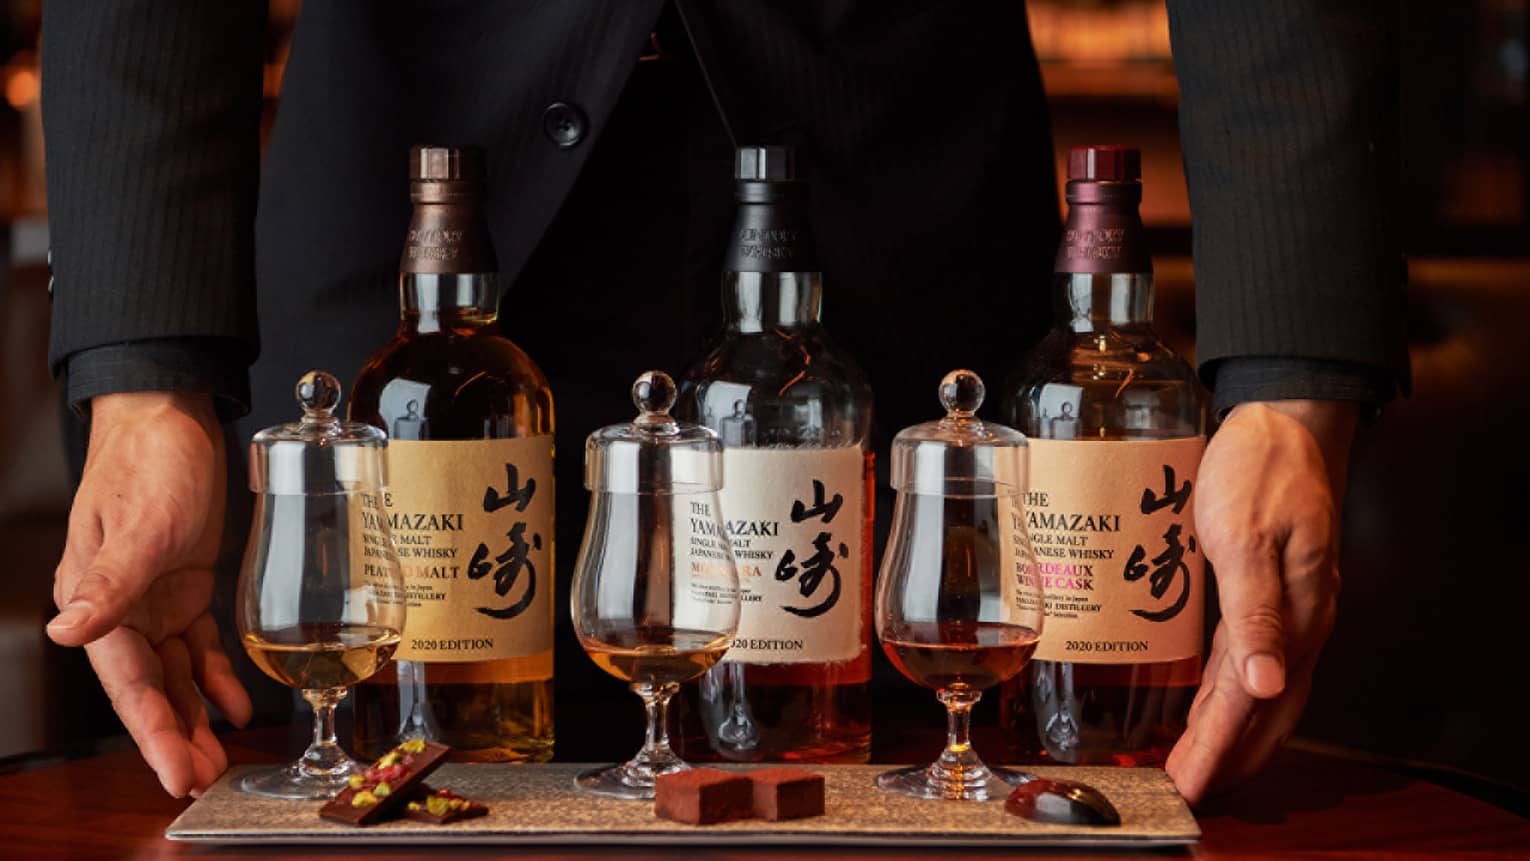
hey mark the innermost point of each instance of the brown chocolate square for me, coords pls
(702, 796)
(786, 793)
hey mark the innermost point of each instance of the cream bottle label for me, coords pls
(703, 565)
(1112, 529)
(472, 522)
(371, 548)
(1017, 564)
(796, 520)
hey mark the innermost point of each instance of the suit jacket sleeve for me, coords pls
(151, 113)
(1288, 127)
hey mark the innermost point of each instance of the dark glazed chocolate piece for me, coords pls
(386, 784)
(702, 796)
(1061, 802)
(441, 806)
(786, 793)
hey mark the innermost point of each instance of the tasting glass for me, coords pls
(958, 605)
(655, 594)
(320, 598)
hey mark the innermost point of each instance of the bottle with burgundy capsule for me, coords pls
(1116, 423)
(793, 412)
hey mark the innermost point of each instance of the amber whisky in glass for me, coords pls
(1115, 421)
(470, 499)
(793, 412)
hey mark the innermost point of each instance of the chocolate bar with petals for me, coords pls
(387, 784)
(440, 806)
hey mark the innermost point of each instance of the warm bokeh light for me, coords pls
(22, 87)
(1068, 32)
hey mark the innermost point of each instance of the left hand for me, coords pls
(1271, 486)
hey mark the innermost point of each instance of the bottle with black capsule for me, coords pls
(793, 411)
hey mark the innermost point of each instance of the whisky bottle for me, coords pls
(794, 414)
(470, 492)
(1116, 427)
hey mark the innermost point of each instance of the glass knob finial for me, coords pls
(318, 392)
(653, 393)
(961, 392)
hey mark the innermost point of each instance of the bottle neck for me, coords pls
(454, 301)
(1090, 302)
(770, 273)
(1104, 273)
(447, 272)
(757, 301)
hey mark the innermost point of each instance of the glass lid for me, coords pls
(653, 453)
(318, 454)
(960, 454)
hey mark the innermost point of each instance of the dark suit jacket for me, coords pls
(923, 131)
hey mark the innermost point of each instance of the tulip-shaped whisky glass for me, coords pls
(320, 601)
(655, 594)
(958, 605)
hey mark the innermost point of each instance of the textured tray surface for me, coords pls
(539, 804)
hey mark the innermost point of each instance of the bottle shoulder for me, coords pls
(803, 365)
(778, 387)
(1106, 384)
(1135, 358)
(456, 353)
(453, 385)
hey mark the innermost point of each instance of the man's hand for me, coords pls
(135, 584)
(1267, 513)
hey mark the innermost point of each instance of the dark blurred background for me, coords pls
(1427, 665)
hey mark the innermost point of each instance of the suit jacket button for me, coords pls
(564, 124)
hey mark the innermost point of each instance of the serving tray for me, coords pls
(538, 804)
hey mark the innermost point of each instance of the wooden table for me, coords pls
(111, 806)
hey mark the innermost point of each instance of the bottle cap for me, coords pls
(445, 174)
(428, 163)
(1105, 163)
(959, 455)
(449, 236)
(654, 453)
(765, 164)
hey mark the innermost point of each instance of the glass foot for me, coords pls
(625, 780)
(299, 783)
(975, 783)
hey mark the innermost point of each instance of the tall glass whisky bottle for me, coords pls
(1116, 423)
(794, 415)
(470, 496)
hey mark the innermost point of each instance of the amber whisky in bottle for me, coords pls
(794, 414)
(470, 492)
(1116, 423)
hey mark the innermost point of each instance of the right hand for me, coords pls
(135, 584)
(1271, 486)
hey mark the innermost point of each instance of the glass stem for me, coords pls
(656, 757)
(324, 758)
(958, 761)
